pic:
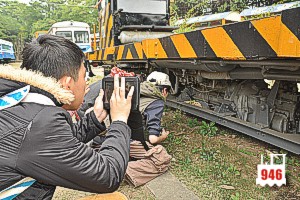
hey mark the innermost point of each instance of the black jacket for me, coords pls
(41, 142)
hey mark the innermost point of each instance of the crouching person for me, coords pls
(40, 147)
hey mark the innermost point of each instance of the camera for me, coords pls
(108, 88)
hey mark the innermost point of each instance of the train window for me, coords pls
(65, 34)
(143, 6)
(81, 37)
(6, 47)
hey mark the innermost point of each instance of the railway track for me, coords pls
(289, 142)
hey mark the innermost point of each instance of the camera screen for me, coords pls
(108, 87)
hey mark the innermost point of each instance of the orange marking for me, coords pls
(183, 46)
(108, 50)
(108, 36)
(278, 36)
(222, 44)
(139, 49)
(153, 49)
(120, 52)
(129, 55)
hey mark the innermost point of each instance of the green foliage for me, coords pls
(186, 161)
(193, 6)
(192, 122)
(195, 150)
(233, 5)
(173, 139)
(198, 8)
(208, 155)
(177, 116)
(235, 196)
(232, 169)
(208, 129)
(244, 151)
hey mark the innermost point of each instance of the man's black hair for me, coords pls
(53, 56)
(162, 87)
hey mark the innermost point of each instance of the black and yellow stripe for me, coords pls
(267, 38)
(130, 52)
(106, 39)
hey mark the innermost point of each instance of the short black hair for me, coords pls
(162, 87)
(53, 56)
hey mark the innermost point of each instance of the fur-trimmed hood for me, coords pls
(14, 79)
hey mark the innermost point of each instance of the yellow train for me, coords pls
(39, 33)
(223, 67)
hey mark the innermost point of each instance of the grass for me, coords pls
(217, 163)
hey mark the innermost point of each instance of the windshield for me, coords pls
(81, 37)
(65, 34)
(143, 6)
(6, 47)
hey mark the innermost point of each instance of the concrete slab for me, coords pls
(168, 187)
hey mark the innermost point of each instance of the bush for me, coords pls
(208, 129)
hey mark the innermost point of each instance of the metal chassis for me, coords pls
(290, 142)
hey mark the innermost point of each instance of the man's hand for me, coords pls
(164, 135)
(153, 139)
(119, 105)
(100, 112)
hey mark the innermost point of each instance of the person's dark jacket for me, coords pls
(90, 98)
(152, 115)
(41, 142)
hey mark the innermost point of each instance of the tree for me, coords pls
(19, 22)
(182, 7)
(63, 10)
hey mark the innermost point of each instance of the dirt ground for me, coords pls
(141, 193)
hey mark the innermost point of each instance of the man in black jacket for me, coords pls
(37, 136)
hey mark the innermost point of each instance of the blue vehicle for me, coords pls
(7, 53)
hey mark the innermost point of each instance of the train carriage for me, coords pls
(77, 32)
(7, 53)
(223, 68)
